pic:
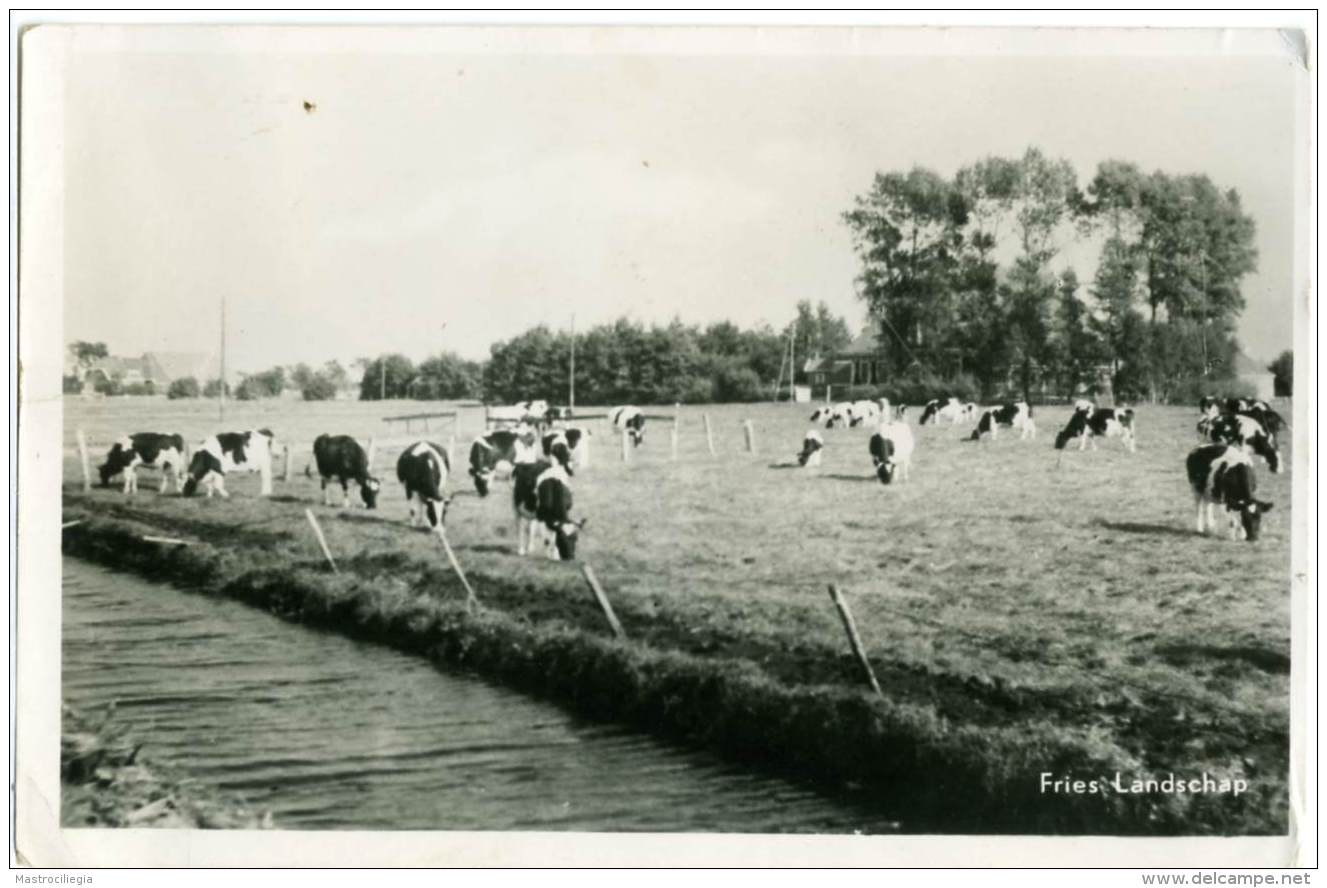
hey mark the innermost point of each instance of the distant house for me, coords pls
(1249, 371)
(158, 369)
(860, 362)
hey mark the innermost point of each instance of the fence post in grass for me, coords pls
(677, 418)
(709, 435)
(750, 435)
(853, 638)
(285, 469)
(451, 449)
(626, 457)
(83, 459)
(593, 582)
(322, 540)
(373, 451)
(470, 598)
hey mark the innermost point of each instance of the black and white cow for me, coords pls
(230, 452)
(891, 451)
(152, 449)
(541, 499)
(1104, 422)
(1247, 432)
(839, 414)
(1266, 416)
(341, 458)
(863, 411)
(566, 447)
(823, 414)
(942, 408)
(812, 446)
(630, 420)
(422, 469)
(536, 413)
(497, 452)
(1222, 474)
(1012, 416)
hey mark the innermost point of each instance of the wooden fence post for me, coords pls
(626, 452)
(322, 540)
(470, 598)
(709, 435)
(584, 446)
(451, 449)
(853, 638)
(285, 471)
(593, 582)
(750, 436)
(83, 459)
(677, 418)
(373, 451)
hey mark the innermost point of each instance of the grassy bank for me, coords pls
(932, 772)
(106, 782)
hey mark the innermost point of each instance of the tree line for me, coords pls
(963, 274)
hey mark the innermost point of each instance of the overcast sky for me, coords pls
(440, 201)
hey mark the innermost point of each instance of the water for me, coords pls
(328, 733)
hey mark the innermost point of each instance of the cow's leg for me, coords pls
(345, 494)
(1200, 506)
(1236, 527)
(220, 485)
(326, 501)
(410, 504)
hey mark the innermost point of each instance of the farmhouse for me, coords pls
(156, 369)
(860, 362)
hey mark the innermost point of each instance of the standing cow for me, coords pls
(541, 500)
(1222, 474)
(341, 458)
(1105, 422)
(497, 452)
(891, 451)
(1247, 432)
(566, 447)
(812, 446)
(1011, 416)
(630, 420)
(152, 449)
(230, 452)
(936, 409)
(422, 470)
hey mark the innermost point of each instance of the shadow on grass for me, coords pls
(1182, 655)
(1139, 527)
(288, 498)
(783, 466)
(870, 479)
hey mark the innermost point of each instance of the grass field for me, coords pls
(993, 588)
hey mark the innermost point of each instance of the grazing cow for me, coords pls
(1210, 407)
(1247, 432)
(422, 469)
(1084, 405)
(823, 414)
(341, 458)
(153, 449)
(564, 447)
(1266, 416)
(1105, 422)
(891, 451)
(840, 414)
(499, 450)
(541, 499)
(1223, 474)
(227, 452)
(631, 420)
(942, 408)
(812, 445)
(1011, 416)
(860, 411)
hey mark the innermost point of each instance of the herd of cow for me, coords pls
(1220, 472)
(539, 449)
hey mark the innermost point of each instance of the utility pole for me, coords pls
(571, 380)
(382, 377)
(221, 392)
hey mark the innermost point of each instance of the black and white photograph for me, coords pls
(869, 432)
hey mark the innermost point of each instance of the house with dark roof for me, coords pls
(860, 362)
(157, 369)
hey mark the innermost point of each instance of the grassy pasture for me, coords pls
(993, 587)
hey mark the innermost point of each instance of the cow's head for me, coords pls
(369, 491)
(564, 539)
(1250, 516)
(885, 471)
(436, 512)
(482, 479)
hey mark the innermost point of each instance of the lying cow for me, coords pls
(497, 452)
(565, 447)
(152, 449)
(341, 458)
(942, 408)
(812, 446)
(1103, 422)
(1011, 416)
(422, 469)
(629, 420)
(229, 452)
(1247, 432)
(1223, 474)
(541, 499)
(891, 451)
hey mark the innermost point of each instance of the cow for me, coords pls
(942, 408)
(1011, 416)
(860, 411)
(153, 449)
(228, 452)
(564, 446)
(823, 414)
(1266, 416)
(812, 446)
(341, 458)
(891, 451)
(422, 470)
(840, 414)
(886, 409)
(1106, 422)
(1223, 474)
(629, 420)
(541, 500)
(536, 413)
(1247, 432)
(499, 450)
(1084, 405)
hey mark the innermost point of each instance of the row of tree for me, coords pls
(965, 274)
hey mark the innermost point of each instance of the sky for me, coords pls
(444, 200)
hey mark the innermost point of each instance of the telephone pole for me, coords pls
(221, 392)
(571, 381)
